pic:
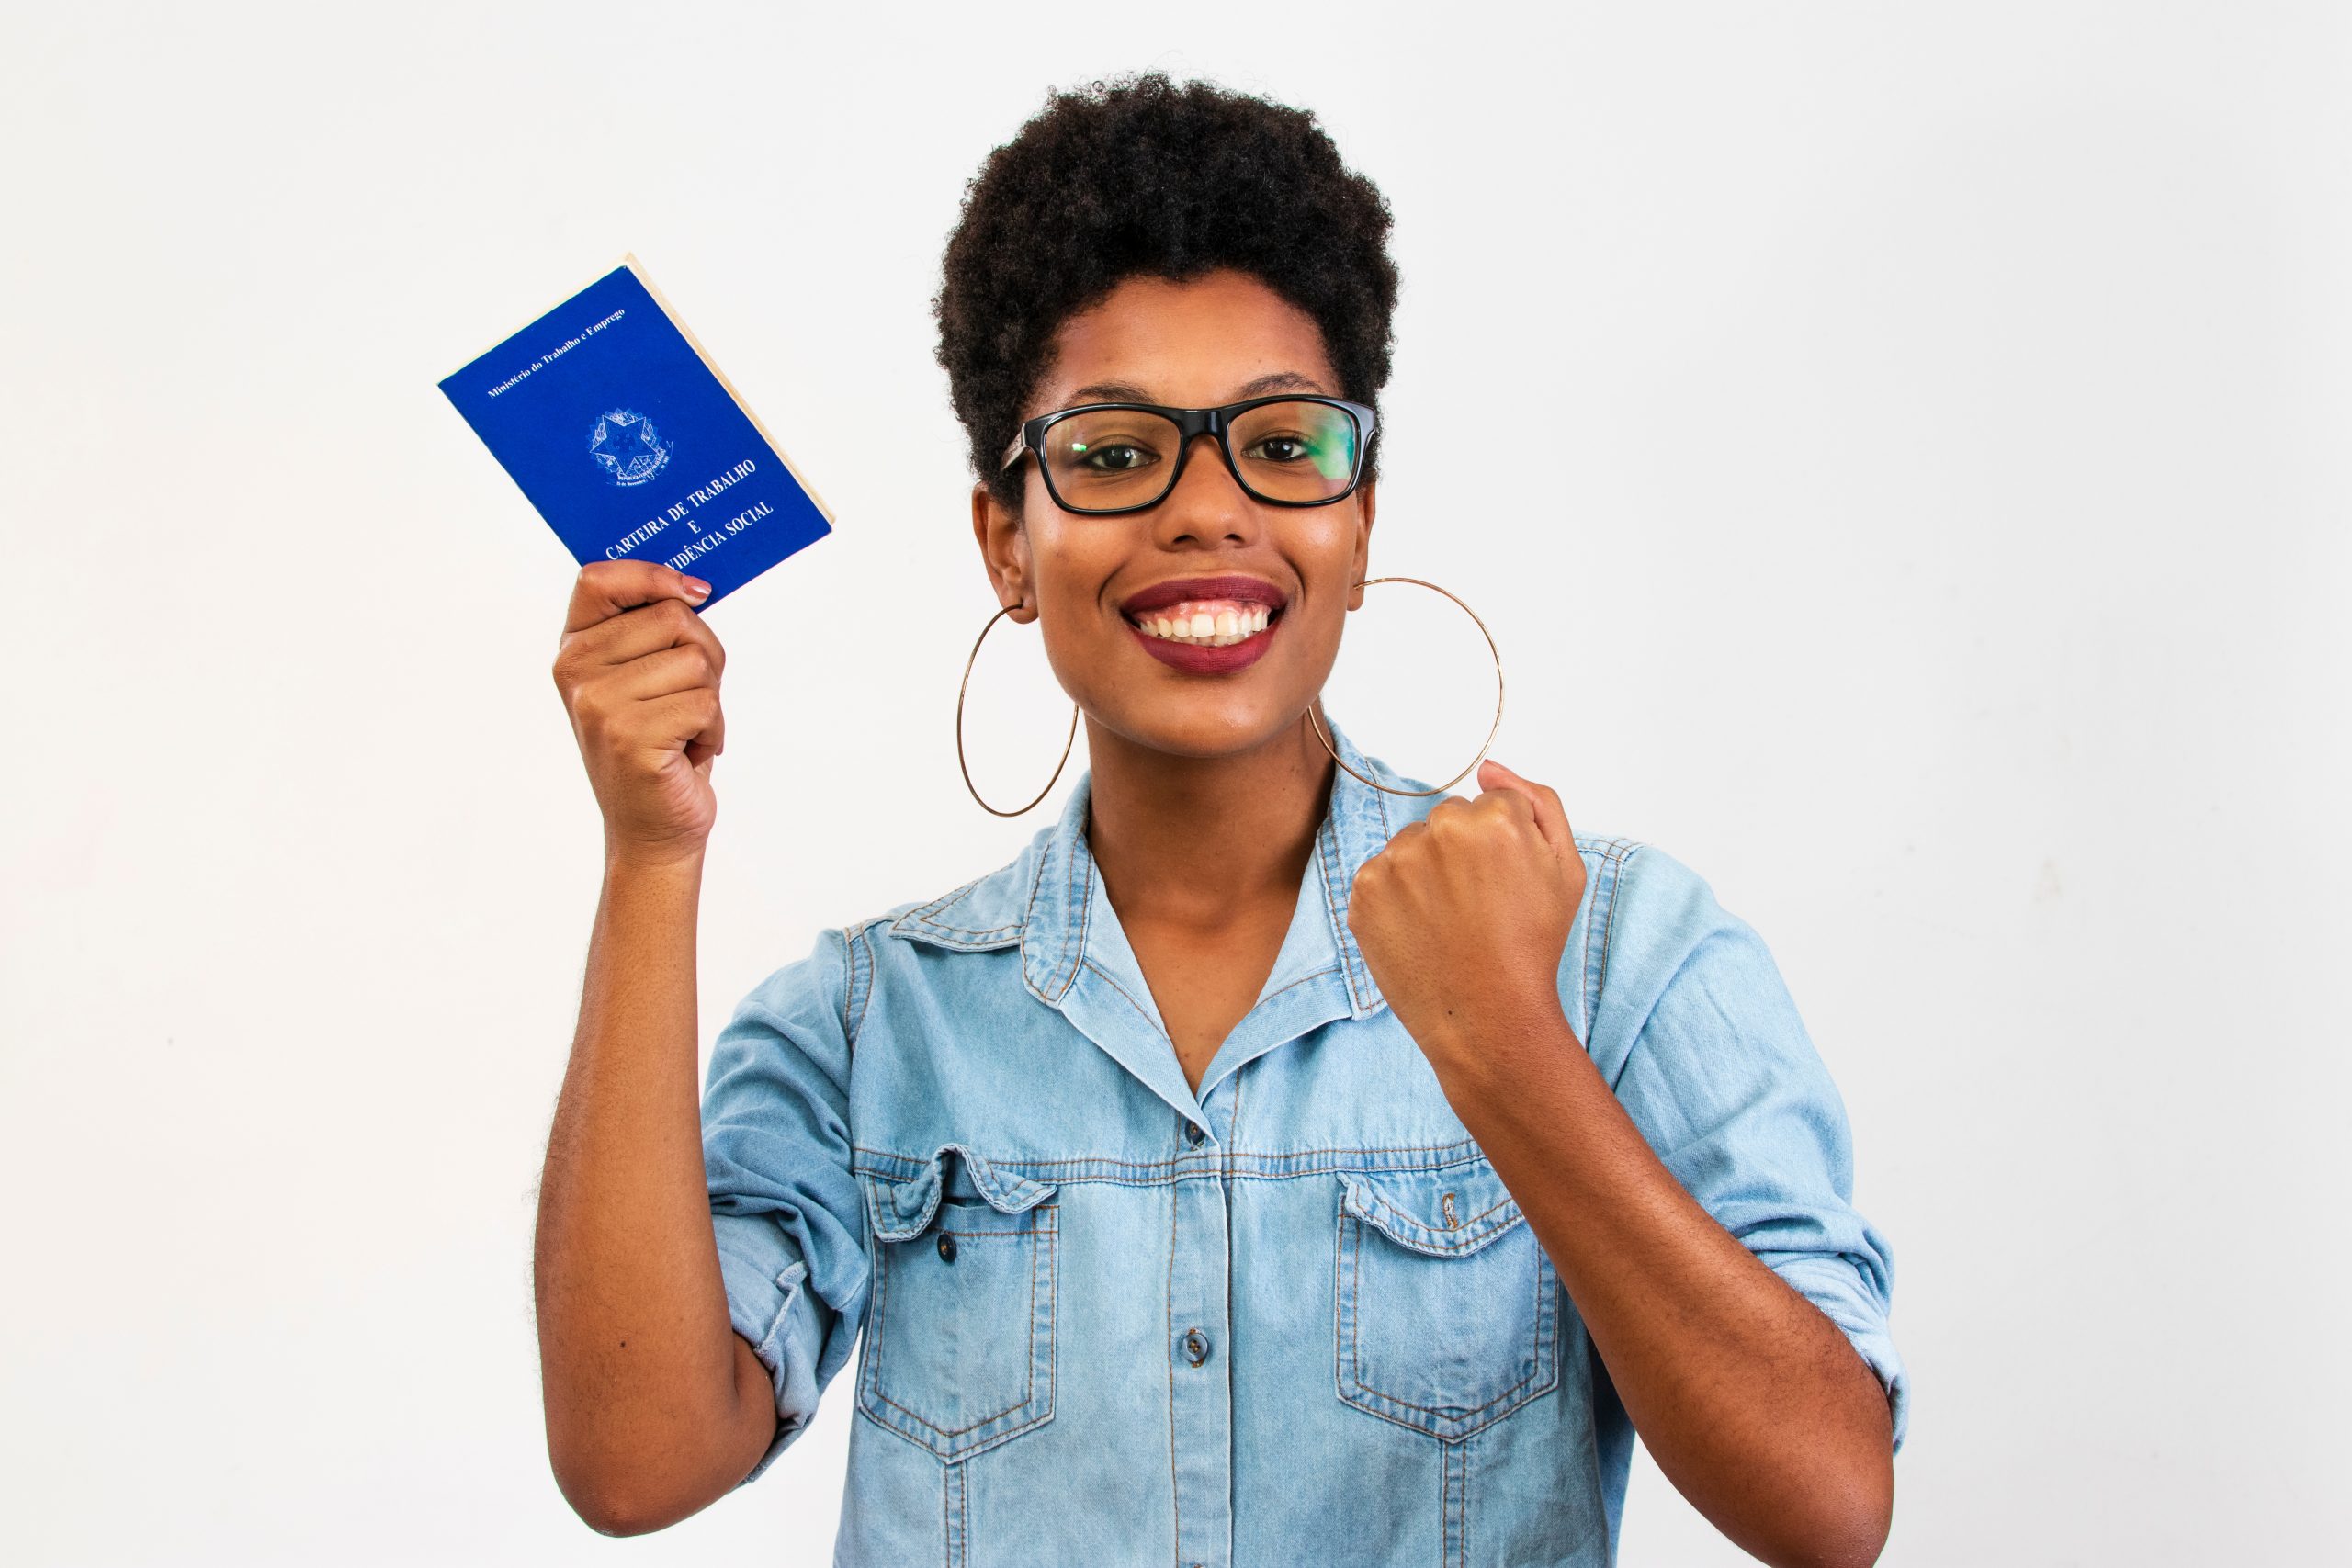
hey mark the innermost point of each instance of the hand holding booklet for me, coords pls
(630, 443)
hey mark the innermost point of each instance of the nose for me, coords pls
(1207, 503)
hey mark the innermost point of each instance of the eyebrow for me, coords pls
(1128, 392)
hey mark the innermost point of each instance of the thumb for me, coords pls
(1551, 817)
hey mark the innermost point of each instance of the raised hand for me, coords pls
(1464, 916)
(639, 671)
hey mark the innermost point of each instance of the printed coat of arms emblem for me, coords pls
(627, 446)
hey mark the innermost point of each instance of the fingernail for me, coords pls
(697, 589)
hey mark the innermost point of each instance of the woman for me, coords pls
(1271, 1165)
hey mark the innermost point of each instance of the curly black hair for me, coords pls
(1141, 176)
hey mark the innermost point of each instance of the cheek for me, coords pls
(1326, 548)
(1080, 629)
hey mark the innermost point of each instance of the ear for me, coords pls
(1360, 568)
(1004, 550)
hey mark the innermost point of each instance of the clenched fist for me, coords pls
(1462, 917)
(639, 670)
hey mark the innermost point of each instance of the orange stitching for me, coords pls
(960, 930)
(1449, 1532)
(1609, 927)
(1074, 947)
(1338, 1381)
(1029, 1382)
(1327, 969)
(849, 967)
(867, 1000)
(1169, 1165)
(927, 914)
(1339, 927)
(930, 912)
(1090, 964)
(1356, 1354)
(1175, 1491)
(1424, 1224)
(1028, 910)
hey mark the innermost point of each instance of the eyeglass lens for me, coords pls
(1106, 459)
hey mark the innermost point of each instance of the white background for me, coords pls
(1937, 538)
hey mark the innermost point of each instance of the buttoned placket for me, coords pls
(1076, 957)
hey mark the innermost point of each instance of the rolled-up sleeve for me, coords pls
(1698, 1033)
(784, 1204)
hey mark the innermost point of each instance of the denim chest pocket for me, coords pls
(1447, 1309)
(959, 1331)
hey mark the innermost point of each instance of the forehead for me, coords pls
(1194, 343)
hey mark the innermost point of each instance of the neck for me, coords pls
(1184, 841)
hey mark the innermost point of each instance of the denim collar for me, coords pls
(1075, 957)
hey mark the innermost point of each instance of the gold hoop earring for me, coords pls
(1490, 729)
(959, 725)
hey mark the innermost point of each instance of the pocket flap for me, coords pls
(902, 1201)
(1445, 1213)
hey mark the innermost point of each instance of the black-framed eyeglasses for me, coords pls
(1287, 450)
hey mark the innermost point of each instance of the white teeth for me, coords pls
(1216, 626)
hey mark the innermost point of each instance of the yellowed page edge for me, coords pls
(630, 262)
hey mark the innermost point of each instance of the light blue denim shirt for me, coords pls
(1293, 1318)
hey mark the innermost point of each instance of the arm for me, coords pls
(1754, 1404)
(655, 1406)
(654, 1403)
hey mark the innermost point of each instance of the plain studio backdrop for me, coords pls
(1901, 452)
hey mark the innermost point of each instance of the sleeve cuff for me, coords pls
(1837, 1291)
(769, 1307)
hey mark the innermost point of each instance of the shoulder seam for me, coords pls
(849, 972)
(859, 989)
(865, 939)
(1621, 851)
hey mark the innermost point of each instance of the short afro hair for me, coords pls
(1143, 177)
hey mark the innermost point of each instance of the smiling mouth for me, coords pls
(1206, 623)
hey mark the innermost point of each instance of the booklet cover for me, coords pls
(631, 444)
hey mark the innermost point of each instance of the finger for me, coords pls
(1551, 817)
(658, 674)
(606, 588)
(672, 722)
(648, 629)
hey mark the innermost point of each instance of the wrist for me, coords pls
(1497, 1042)
(641, 861)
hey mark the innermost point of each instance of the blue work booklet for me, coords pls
(632, 445)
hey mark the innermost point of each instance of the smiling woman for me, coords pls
(1270, 1164)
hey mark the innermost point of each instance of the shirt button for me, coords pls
(1195, 1133)
(946, 1248)
(1196, 1345)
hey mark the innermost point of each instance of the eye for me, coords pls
(1113, 457)
(1280, 448)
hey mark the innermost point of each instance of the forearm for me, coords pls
(640, 1366)
(1752, 1401)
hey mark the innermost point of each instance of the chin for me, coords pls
(1201, 724)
